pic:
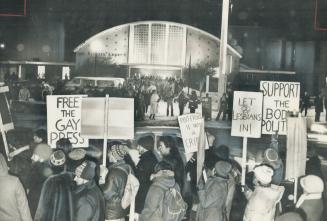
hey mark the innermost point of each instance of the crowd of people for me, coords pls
(71, 184)
(147, 92)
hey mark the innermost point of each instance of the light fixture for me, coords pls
(2, 45)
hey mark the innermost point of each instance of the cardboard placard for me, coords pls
(190, 126)
(64, 119)
(120, 118)
(279, 98)
(247, 114)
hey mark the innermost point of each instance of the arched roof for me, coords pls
(107, 31)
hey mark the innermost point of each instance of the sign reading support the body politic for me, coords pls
(279, 98)
(247, 114)
(64, 119)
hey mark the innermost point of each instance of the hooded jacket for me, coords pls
(154, 201)
(262, 203)
(212, 206)
(13, 201)
(89, 203)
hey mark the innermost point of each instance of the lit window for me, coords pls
(65, 73)
(41, 72)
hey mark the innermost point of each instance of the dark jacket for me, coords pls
(13, 202)
(39, 173)
(319, 104)
(313, 209)
(114, 190)
(89, 203)
(154, 203)
(56, 200)
(212, 206)
(143, 172)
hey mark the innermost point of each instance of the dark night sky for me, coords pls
(84, 18)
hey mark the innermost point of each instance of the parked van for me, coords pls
(99, 82)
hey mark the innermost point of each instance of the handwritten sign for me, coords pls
(247, 114)
(279, 98)
(190, 126)
(64, 119)
(120, 118)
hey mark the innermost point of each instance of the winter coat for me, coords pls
(313, 208)
(154, 202)
(262, 203)
(193, 102)
(212, 206)
(89, 203)
(13, 201)
(319, 107)
(39, 173)
(154, 103)
(114, 190)
(143, 172)
(56, 200)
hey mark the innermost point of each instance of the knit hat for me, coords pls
(223, 168)
(77, 154)
(86, 170)
(270, 157)
(263, 174)
(118, 151)
(43, 151)
(312, 184)
(58, 158)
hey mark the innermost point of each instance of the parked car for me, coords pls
(99, 82)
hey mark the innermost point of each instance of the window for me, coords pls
(104, 83)
(40, 72)
(65, 73)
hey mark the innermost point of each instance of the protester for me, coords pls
(311, 201)
(169, 152)
(305, 103)
(213, 193)
(318, 107)
(39, 136)
(56, 201)
(13, 201)
(88, 199)
(24, 94)
(263, 200)
(154, 104)
(144, 169)
(115, 183)
(271, 157)
(40, 171)
(163, 201)
(222, 107)
(182, 101)
(193, 102)
(313, 165)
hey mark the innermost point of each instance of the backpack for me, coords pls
(173, 206)
(130, 190)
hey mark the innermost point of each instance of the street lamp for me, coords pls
(2, 45)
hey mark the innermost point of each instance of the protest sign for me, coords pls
(6, 118)
(64, 119)
(120, 118)
(279, 98)
(190, 125)
(247, 114)
(6, 122)
(247, 120)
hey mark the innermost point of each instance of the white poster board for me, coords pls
(64, 119)
(247, 114)
(190, 126)
(120, 124)
(278, 99)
